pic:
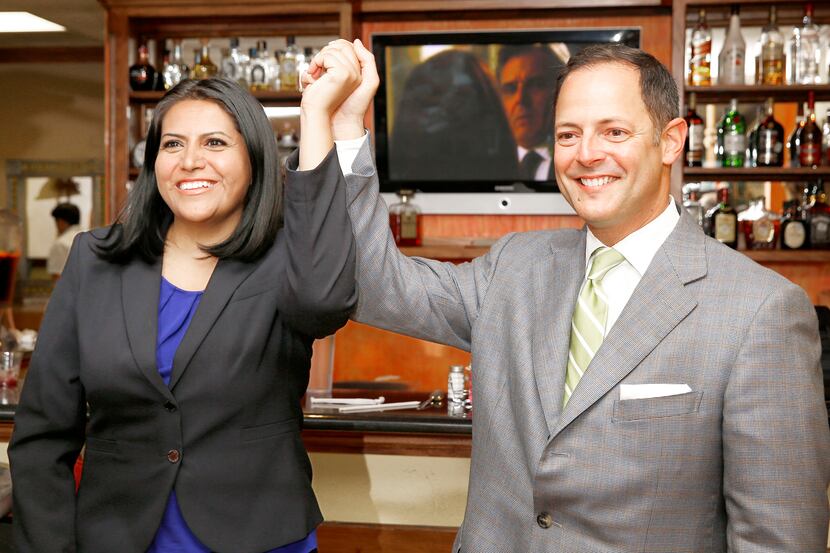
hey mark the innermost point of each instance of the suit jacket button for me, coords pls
(170, 406)
(544, 520)
(173, 456)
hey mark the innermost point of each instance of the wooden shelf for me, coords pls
(756, 173)
(754, 13)
(270, 97)
(758, 93)
(465, 249)
(450, 249)
(788, 256)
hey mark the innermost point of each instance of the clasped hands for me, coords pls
(338, 87)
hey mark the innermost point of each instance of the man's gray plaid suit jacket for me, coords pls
(740, 463)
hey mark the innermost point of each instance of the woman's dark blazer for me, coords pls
(225, 433)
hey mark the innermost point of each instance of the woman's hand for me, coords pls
(333, 75)
(347, 119)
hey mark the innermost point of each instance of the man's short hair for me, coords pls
(657, 86)
(549, 60)
(67, 212)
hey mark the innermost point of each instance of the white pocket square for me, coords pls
(645, 391)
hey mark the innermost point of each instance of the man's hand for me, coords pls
(347, 121)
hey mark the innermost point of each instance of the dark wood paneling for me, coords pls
(62, 54)
(340, 537)
(396, 6)
(429, 445)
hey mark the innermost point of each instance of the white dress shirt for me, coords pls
(347, 152)
(59, 251)
(638, 248)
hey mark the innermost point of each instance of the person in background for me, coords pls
(450, 114)
(527, 77)
(67, 218)
(639, 386)
(176, 347)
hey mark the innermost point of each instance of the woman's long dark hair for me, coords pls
(141, 226)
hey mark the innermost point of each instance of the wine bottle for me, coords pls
(693, 149)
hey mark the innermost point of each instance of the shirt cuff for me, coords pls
(347, 152)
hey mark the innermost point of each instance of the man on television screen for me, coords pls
(638, 385)
(527, 80)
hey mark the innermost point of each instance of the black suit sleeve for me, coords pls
(320, 290)
(49, 426)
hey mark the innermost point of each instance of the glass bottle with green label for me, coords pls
(732, 137)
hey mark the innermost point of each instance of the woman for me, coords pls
(177, 347)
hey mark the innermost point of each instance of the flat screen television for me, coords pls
(465, 118)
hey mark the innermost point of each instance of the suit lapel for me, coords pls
(140, 283)
(226, 278)
(557, 279)
(659, 303)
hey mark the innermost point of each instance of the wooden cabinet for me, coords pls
(754, 13)
(157, 20)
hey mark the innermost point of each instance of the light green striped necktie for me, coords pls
(589, 318)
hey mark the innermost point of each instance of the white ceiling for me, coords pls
(83, 19)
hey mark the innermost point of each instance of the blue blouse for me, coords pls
(176, 310)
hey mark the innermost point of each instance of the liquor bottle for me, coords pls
(732, 137)
(288, 66)
(731, 60)
(772, 52)
(721, 220)
(233, 65)
(809, 136)
(693, 150)
(303, 61)
(140, 148)
(204, 68)
(260, 76)
(175, 70)
(768, 145)
(793, 228)
(700, 62)
(792, 140)
(818, 217)
(805, 50)
(691, 203)
(142, 74)
(158, 78)
(752, 139)
(759, 227)
(276, 69)
(405, 220)
(825, 134)
(711, 158)
(11, 241)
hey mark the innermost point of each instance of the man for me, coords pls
(639, 386)
(67, 216)
(526, 76)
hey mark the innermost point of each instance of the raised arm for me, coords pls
(419, 297)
